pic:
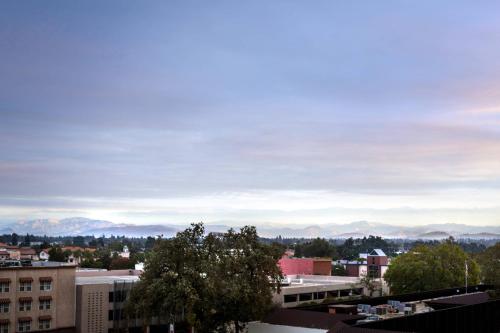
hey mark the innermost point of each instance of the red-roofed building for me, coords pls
(27, 253)
(4, 255)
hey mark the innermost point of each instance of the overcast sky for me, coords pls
(250, 112)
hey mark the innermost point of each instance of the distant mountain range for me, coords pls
(85, 226)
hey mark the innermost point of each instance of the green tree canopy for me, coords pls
(57, 254)
(339, 270)
(209, 281)
(318, 247)
(489, 260)
(431, 267)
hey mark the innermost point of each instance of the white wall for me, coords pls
(363, 270)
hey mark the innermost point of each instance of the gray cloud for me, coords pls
(119, 101)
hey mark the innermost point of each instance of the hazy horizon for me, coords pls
(270, 111)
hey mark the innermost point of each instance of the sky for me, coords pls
(260, 112)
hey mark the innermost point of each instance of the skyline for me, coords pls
(279, 112)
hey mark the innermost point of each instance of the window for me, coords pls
(44, 304)
(117, 296)
(45, 285)
(4, 308)
(25, 286)
(25, 306)
(320, 295)
(4, 328)
(4, 287)
(305, 297)
(110, 314)
(44, 324)
(290, 298)
(24, 326)
(373, 272)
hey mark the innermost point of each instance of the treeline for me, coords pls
(443, 265)
(351, 248)
(82, 241)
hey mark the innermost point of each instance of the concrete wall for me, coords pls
(292, 266)
(307, 266)
(322, 267)
(333, 286)
(92, 309)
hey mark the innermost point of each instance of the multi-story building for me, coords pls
(40, 297)
(100, 297)
(377, 263)
(300, 289)
(374, 264)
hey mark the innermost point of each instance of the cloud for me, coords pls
(162, 112)
(483, 111)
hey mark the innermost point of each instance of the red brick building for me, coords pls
(305, 266)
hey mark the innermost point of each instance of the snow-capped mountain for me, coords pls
(85, 226)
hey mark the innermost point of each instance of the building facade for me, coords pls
(306, 266)
(100, 298)
(37, 298)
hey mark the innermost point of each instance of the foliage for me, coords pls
(121, 263)
(353, 247)
(57, 254)
(150, 243)
(79, 241)
(14, 239)
(431, 267)
(209, 281)
(339, 270)
(369, 283)
(318, 247)
(489, 261)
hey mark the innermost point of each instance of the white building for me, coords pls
(300, 289)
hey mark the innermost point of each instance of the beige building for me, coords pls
(100, 296)
(301, 289)
(37, 298)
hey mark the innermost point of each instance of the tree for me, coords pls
(14, 239)
(489, 260)
(27, 240)
(57, 254)
(79, 241)
(244, 277)
(150, 242)
(431, 267)
(121, 263)
(209, 282)
(339, 270)
(352, 247)
(318, 247)
(368, 282)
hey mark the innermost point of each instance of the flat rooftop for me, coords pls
(109, 279)
(300, 281)
(17, 264)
